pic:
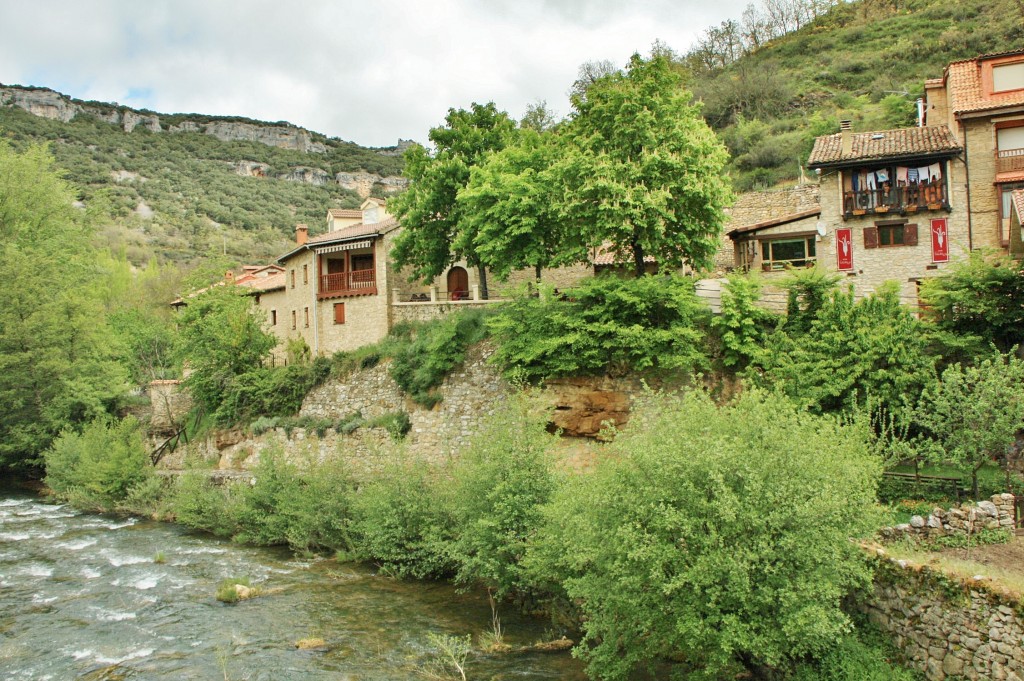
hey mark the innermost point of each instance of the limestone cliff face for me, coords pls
(42, 103)
(271, 135)
(364, 183)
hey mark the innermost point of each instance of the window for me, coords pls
(293, 279)
(780, 253)
(305, 312)
(887, 234)
(293, 319)
(1010, 138)
(273, 317)
(895, 189)
(339, 313)
(1005, 192)
(1008, 77)
(305, 274)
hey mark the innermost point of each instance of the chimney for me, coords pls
(846, 134)
(229, 276)
(301, 234)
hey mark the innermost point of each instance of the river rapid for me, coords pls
(105, 598)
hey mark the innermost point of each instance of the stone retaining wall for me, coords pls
(958, 520)
(947, 628)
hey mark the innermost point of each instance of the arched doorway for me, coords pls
(458, 284)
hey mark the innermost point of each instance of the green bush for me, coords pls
(402, 522)
(608, 324)
(436, 348)
(100, 467)
(397, 424)
(743, 325)
(270, 391)
(500, 484)
(865, 655)
(718, 536)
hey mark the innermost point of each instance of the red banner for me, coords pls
(940, 240)
(844, 248)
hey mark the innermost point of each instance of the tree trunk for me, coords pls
(482, 272)
(537, 272)
(638, 256)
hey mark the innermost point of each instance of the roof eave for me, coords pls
(856, 162)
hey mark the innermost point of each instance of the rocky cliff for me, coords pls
(47, 103)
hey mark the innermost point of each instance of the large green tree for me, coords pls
(642, 170)
(57, 362)
(435, 232)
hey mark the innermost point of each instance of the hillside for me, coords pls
(177, 187)
(865, 61)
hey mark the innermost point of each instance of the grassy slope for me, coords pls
(866, 61)
(188, 179)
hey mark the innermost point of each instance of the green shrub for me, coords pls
(434, 351)
(401, 522)
(270, 391)
(100, 467)
(864, 655)
(397, 424)
(743, 325)
(608, 324)
(719, 536)
(500, 484)
(198, 503)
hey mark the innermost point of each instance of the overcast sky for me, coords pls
(370, 72)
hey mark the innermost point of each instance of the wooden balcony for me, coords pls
(1010, 161)
(900, 200)
(357, 283)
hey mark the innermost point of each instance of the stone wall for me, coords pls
(945, 627)
(998, 513)
(754, 207)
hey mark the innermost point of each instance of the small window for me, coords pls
(305, 312)
(1008, 77)
(293, 278)
(889, 235)
(339, 313)
(305, 274)
(782, 253)
(293, 319)
(273, 317)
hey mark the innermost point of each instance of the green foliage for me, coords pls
(864, 655)
(981, 538)
(57, 355)
(397, 424)
(436, 348)
(270, 391)
(719, 536)
(981, 297)
(608, 325)
(403, 523)
(196, 502)
(974, 413)
(500, 484)
(853, 354)
(227, 590)
(435, 231)
(100, 467)
(222, 338)
(807, 291)
(642, 170)
(742, 326)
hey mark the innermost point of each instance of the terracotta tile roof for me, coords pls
(606, 256)
(784, 220)
(1017, 200)
(353, 231)
(1014, 176)
(345, 212)
(884, 144)
(268, 283)
(963, 80)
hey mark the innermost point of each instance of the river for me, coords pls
(105, 598)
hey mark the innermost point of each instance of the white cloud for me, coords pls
(368, 72)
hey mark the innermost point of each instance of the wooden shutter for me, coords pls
(909, 235)
(870, 237)
(339, 313)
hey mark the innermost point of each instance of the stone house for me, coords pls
(900, 204)
(339, 290)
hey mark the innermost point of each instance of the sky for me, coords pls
(371, 72)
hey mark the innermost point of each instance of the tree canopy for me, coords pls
(435, 233)
(642, 170)
(57, 355)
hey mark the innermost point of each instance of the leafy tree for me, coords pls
(501, 482)
(221, 338)
(435, 232)
(57, 356)
(743, 325)
(716, 536)
(980, 297)
(642, 170)
(512, 204)
(853, 353)
(974, 413)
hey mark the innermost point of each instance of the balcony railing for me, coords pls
(924, 196)
(1010, 160)
(357, 283)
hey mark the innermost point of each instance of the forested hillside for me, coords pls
(182, 195)
(789, 70)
